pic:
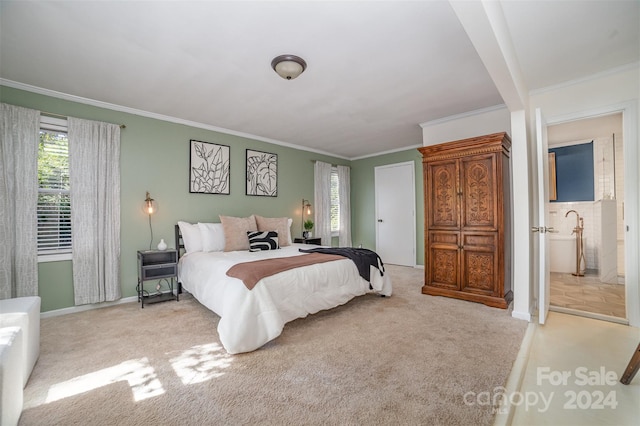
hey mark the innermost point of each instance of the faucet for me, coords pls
(578, 220)
(580, 259)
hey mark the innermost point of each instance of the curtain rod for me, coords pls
(332, 165)
(53, 114)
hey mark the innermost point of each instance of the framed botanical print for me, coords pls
(262, 173)
(209, 165)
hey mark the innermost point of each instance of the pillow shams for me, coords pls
(280, 224)
(235, 231)
(212, 236)
(262, 240)
(191, 236)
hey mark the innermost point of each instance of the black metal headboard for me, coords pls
(179, 242)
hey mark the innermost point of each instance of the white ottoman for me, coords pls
(11, 396)
(24, 312)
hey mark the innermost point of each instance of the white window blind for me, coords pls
(335, 201)
(54, 204)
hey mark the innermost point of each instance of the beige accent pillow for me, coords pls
(278, 224)
(235, 231)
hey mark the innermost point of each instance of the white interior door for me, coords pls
(395, 213)
(542, 254)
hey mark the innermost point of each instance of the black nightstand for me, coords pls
(316, 241)
(156, 265)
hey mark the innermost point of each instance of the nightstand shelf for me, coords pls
(157, 265)
(316, 241)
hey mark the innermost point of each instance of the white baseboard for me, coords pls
(81, 308)
(521, 315)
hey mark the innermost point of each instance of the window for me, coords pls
(335, 201)
(54, 203)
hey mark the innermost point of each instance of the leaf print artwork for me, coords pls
(262, 173)
(209, 168)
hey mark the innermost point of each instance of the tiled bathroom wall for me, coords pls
(609, 184)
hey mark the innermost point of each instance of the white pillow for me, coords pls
(289, 232)
(212, 236)
(191, 236)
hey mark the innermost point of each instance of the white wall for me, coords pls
(597, 92)
(523, 152)
(463, 126)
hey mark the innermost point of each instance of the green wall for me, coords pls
(363, 220)
(155, 158)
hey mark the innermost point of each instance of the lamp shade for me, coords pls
(149, 205)
(288, 66)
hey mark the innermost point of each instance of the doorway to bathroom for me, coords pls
(587, 254)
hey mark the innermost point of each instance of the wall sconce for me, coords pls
(288, 66)
(305, 206)
(150, 207)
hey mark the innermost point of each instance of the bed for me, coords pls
(251, 318)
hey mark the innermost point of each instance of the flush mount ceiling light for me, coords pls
(288, 66)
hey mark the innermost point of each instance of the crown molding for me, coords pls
(463, 115)
(153, 115)
(391, 151)
(596, 76)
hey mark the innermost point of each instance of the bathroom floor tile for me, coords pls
(588, 294)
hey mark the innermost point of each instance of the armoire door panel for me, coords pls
(488, 241)
(443, 202)
(444, 267)
(443, 237)
(478, 182)
(479, 271)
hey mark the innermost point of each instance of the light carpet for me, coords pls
(407, 359)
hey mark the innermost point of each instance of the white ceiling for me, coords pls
(376, 70)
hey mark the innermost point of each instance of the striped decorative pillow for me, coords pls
(263, 240)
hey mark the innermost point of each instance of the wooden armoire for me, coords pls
(467, 219)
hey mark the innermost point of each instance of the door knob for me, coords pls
(543, 229)
(380, 220)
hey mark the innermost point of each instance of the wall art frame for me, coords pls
(209, 168)
(261, 173)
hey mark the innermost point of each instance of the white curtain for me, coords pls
(19, 135)
(322, 202)
(344, 193)
(94, 169)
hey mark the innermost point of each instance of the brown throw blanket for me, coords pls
(252, 272)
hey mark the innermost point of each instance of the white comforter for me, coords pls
(251, 318)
